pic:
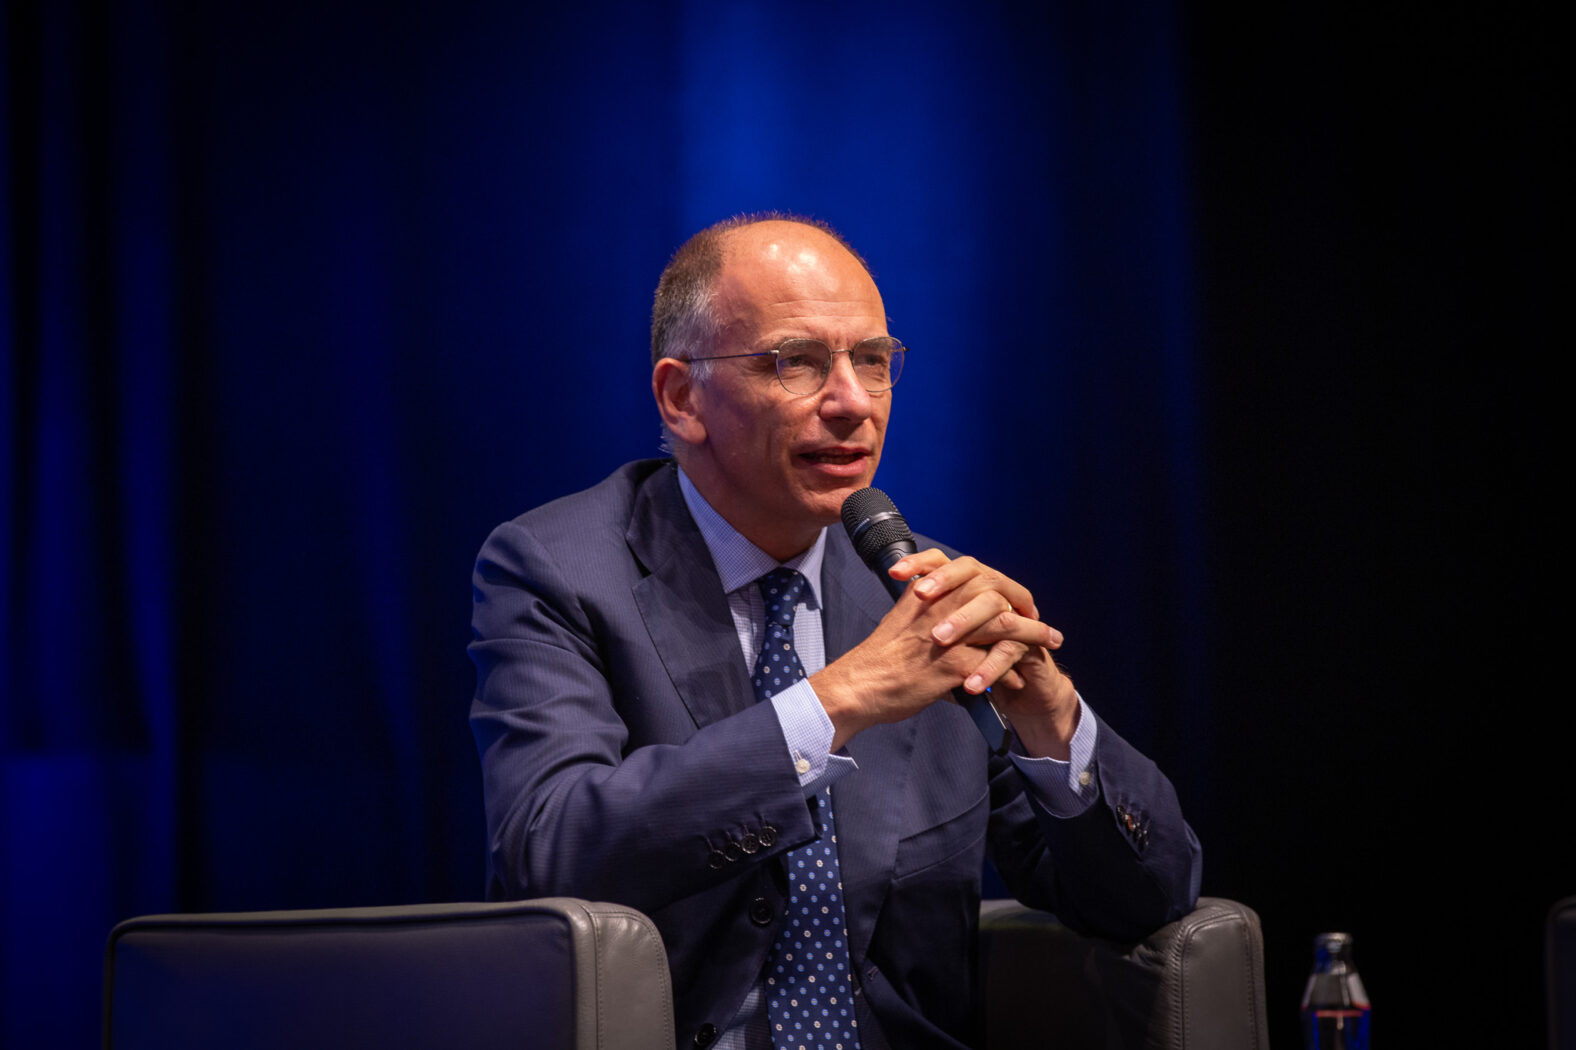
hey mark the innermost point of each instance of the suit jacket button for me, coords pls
(732, 851)
(768, 835)
(716, 860)
(750, 843)
(706, 1036)
(761, 913)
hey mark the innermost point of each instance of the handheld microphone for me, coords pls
(881, 537)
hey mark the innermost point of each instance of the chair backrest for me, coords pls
(554, 974)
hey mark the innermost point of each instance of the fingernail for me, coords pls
(1056, 636)
(925, 586)
(943, 632)
(975, 683)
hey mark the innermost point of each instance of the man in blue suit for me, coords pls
(629, 756)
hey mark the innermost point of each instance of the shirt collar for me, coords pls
(740, 562)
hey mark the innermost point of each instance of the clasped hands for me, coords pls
(960, 623)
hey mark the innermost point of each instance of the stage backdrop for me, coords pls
(1212, 322)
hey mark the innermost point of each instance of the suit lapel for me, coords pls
(682, 603)
(854, 603)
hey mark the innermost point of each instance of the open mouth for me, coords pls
(838, 466)
(835, 456)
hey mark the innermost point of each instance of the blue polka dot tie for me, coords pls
(809, 1002)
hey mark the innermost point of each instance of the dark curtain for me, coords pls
(1230, 338)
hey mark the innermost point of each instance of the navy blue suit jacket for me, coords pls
(624, 759)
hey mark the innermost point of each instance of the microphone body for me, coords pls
(882, 538)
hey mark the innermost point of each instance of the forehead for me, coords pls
(782, 278)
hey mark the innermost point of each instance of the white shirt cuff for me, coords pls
(1067, 788)
(809, 733)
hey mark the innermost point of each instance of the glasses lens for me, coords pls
(878, 362)
(803, 364)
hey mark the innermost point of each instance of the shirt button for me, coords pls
(802, 766)
(1084, 778)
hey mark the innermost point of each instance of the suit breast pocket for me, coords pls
(955, 841)
(925, 940)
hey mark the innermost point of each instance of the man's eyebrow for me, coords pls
(768, 345)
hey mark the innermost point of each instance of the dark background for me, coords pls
(1234, 339)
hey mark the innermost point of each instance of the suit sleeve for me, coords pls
(1125, 866)
(597, 781)
(1120, 869)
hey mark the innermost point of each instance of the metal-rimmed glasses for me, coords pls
(804, 364)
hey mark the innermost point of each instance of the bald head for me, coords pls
(683, 318)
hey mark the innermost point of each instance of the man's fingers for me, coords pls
(987, 618)
(947, 577)
(967, 575)
(985, 611)
(998, 661)
(925, 561)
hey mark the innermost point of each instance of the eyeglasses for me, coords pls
(804, 364)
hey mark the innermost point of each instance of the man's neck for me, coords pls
(738, 559)
(775, 538)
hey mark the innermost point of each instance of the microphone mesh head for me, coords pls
(873, 524)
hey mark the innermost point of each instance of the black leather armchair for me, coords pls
(572, 975)
(1196, 984)
(549, 973)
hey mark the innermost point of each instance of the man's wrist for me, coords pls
(839, 698)
(1066, 787)
(1050, 734)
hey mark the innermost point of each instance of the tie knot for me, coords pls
(781, 589)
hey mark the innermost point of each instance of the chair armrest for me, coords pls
(553, 972)
(1195, 984)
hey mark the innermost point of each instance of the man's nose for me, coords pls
(844, 395)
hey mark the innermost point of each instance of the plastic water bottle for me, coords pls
(1335, 1010)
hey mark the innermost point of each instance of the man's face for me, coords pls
(776, 465)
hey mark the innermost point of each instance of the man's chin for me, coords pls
(828, 501)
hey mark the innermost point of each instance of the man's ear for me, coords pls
(674, 388)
